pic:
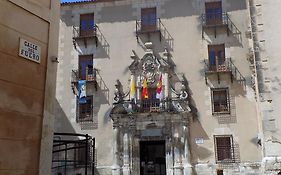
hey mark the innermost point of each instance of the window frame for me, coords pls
(223, 150)
(149, 19)
(88, 115)
(227, 101)
(213, 12)
(216, 57)
(89, 59)
(88, 19)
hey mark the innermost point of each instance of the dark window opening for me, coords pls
(148, 19)
(87, 25)
(216, 55)
(219, 172)
(152, 158)
(224, 148)
(220, 100)
(213, 12)
(85, 110)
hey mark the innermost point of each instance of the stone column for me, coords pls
(126, 156)
(178, 168)
(169, 156)
(115, 166)
(186, 156)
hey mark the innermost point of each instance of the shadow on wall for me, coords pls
(198, 152)
(62, 123)
(173, 8)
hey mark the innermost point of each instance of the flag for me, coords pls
(82, 91)
(159, 88)
(144, 93)
(133, 88)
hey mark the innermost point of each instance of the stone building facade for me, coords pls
(28, 48)
(207, 119)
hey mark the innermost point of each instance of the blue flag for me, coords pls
(82, 91)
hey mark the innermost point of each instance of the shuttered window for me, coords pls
(213, 12)
(87, 25)
(216, 54)
(85, 66)
(148, 19)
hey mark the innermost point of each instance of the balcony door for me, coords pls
(85, 66)
(213, 12)
(216, 55)
(148, 19)
(87, 25)
(152, 158)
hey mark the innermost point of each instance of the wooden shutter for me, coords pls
(216, 55)
(85, 66)
(213, 12)
(87, 25)
(148, 19)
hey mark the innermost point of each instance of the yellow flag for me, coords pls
(133, 88)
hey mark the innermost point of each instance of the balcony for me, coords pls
(218, 20)
(84, 35)
(89, 75)
(142, 28)
(223, 65)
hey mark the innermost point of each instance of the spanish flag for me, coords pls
(144, 93)
(159, 88)
(133, 88)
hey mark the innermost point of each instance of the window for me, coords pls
(219, 172)
(224, 148)
(213, 12)
(152, 103)
(216, 54)
(87, 25)
(148, 19)
(86, 70)
(86, 110)
(220, 100)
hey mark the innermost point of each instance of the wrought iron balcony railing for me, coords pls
(219, 20)
(221, 65)
(89, 75)
(142, 27)
(218, 65)
(79, 33)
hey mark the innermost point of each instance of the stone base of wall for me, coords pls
(271, 165)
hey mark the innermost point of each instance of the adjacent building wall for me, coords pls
(266, 41)
(188, 49)
(26, 87)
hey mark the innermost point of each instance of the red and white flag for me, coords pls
(159, 88)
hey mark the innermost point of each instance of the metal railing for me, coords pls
(143, 28)
(219, 19)
(224, 65)
(71, 151)
(78, 33)
(219, 65)
(89, 75)
(225, 154)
